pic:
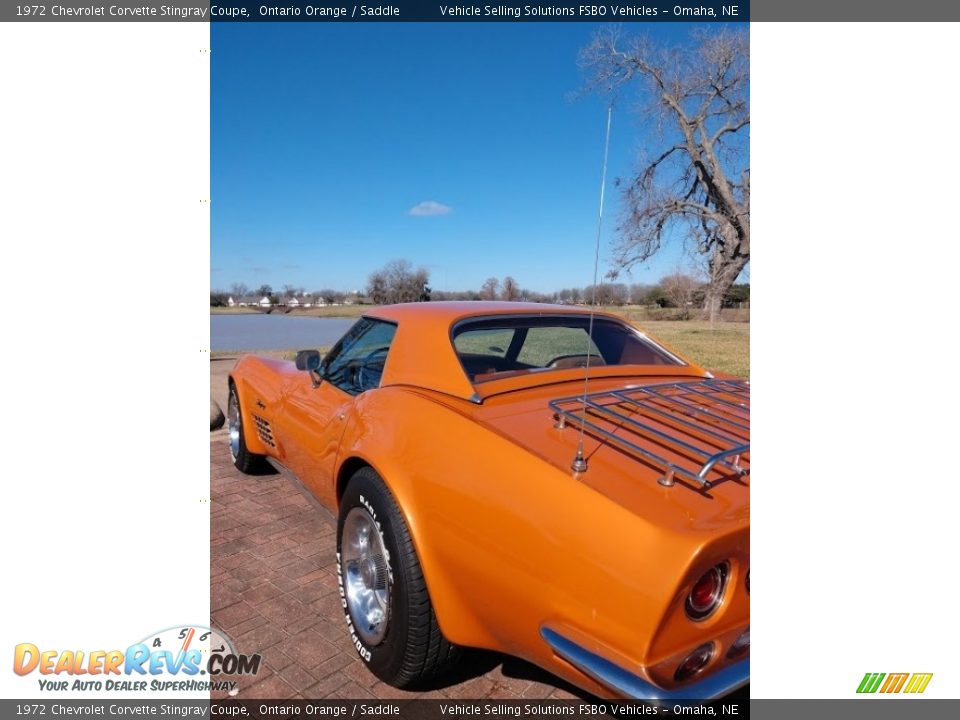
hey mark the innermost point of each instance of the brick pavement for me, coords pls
(273, 590)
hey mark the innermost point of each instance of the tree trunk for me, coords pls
(713, 302)
(723, 274)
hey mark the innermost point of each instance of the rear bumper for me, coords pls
(629, 685)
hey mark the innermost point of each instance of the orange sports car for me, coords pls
(537, 480)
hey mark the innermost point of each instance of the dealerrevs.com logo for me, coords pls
(911, 683)
(182, 658)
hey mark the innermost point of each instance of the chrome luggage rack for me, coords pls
(694, 431)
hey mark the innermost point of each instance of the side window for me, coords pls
(356, 363)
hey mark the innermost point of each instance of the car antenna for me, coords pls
(579, 461)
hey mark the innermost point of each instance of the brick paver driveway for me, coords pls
(273, 589)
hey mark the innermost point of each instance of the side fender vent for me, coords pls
(264, 431)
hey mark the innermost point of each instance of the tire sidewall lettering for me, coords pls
(383, 538)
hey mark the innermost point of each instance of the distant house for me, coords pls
(292, 302)
(231, 302)
(264, 302)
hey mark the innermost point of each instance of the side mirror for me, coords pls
(308, 360)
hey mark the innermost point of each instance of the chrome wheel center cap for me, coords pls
(368, 573)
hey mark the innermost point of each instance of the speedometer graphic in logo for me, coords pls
(198, 647)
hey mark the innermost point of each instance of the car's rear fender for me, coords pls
(510, 543)
(368, 443)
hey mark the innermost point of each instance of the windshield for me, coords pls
(356, 363)
(493, 348)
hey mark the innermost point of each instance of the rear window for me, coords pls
(493, 348)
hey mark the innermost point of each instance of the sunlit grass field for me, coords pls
(724, 347)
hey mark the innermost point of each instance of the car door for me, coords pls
(313, 416)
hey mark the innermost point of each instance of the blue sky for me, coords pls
(330, 141)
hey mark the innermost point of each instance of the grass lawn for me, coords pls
(724, 347)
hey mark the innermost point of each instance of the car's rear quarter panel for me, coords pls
(508, 542)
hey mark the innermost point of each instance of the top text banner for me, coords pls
(395, 11)
(615, 11)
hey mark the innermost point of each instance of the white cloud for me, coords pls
(429, 208)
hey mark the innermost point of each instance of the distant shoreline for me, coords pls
(330, 311)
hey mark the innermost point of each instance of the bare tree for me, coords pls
(489, 289)
(679, 289)
(607, 293)
(639, 293)
(539, 297)
(398, 282)
(377, 287)
(698, 181)
(510, 290)
(238, 291)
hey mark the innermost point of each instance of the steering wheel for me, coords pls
(369, 370)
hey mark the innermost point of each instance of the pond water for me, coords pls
(275, 332)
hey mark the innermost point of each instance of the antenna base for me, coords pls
(579, 463)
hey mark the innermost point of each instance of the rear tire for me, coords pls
(244, 460)
(386, 604)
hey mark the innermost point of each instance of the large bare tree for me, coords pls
(694, 187)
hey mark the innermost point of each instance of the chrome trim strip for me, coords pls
(614, 677)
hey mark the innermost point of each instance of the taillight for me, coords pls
(748, 582)
(694, 662)
(741, 645)
(707, 592)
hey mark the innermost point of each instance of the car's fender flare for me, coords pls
(243, 390)
(457, 620)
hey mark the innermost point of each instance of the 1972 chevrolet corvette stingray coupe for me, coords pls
(531, 479)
